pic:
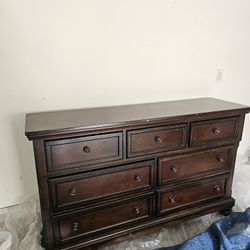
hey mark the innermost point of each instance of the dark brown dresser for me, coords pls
(108, 172)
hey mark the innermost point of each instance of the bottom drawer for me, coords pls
(173, 198)
(86, 223)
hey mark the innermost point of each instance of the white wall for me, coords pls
(61, 54)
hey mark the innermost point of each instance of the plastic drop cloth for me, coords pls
(20, 227)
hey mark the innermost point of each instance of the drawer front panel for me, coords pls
(153, 140)
(101, 185)
(179, 197)
(85, 150)
(103, 219)
(171, 168)
(214, 131)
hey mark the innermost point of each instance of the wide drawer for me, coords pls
(102, 184)
(85, 150)
(181, 196)
(173, 168)
(213, 131)
(87, 223)
(157, 139)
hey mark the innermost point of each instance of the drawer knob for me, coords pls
(217, 188)
(75, 226)
(138, 178)
(137, 210)
(220, 159)
(86, 149)
(173, 169)
(73, 191)
(171, 199)
(216, 131)
(158, 139)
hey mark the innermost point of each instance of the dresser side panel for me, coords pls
(41, 169)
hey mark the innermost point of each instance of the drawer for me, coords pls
(191, 194)
(85, 150)
(101, 185)
(158, 139)
(172, 168)
(213, 131)
(104, 219)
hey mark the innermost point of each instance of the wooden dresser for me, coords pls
(108, 172)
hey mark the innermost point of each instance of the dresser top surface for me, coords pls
(47, 122)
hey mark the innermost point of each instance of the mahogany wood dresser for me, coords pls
(108, 172)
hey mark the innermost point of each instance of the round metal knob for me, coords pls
(73, 191)
(158, 139)
(75, 226)
(86, 149)
(138, 178)
(137, 210)
(220, 159)
(217, 188)
(171, 199)
(173, 169)
(216, 130)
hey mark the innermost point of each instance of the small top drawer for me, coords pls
(158, 139)
(85, 150)
(214, 131)
(102, 184)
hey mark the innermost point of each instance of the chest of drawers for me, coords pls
(104, 173)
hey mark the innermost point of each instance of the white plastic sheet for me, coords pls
(20, 228)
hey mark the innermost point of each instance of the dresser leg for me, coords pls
(43, 243)
(226, 212)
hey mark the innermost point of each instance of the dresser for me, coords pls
(112, 172)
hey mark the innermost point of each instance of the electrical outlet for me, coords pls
(219, 75)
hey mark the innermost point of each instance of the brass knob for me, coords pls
(217, 188)
(137, 210)
(73, 191)
(216, 130)
(173, 169)
(86, 149)
(158, 139)
(138, 178)
(171, 199)
(220, 159)
(75, 226)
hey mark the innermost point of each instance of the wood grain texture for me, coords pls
(190, 194)
(181, 166)
(46, 123)
(84, 150)
(109, 172)
(101, 185)
(102, 219)
(156, 139)
(214, 130)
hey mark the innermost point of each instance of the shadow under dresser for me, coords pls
(104, 173)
